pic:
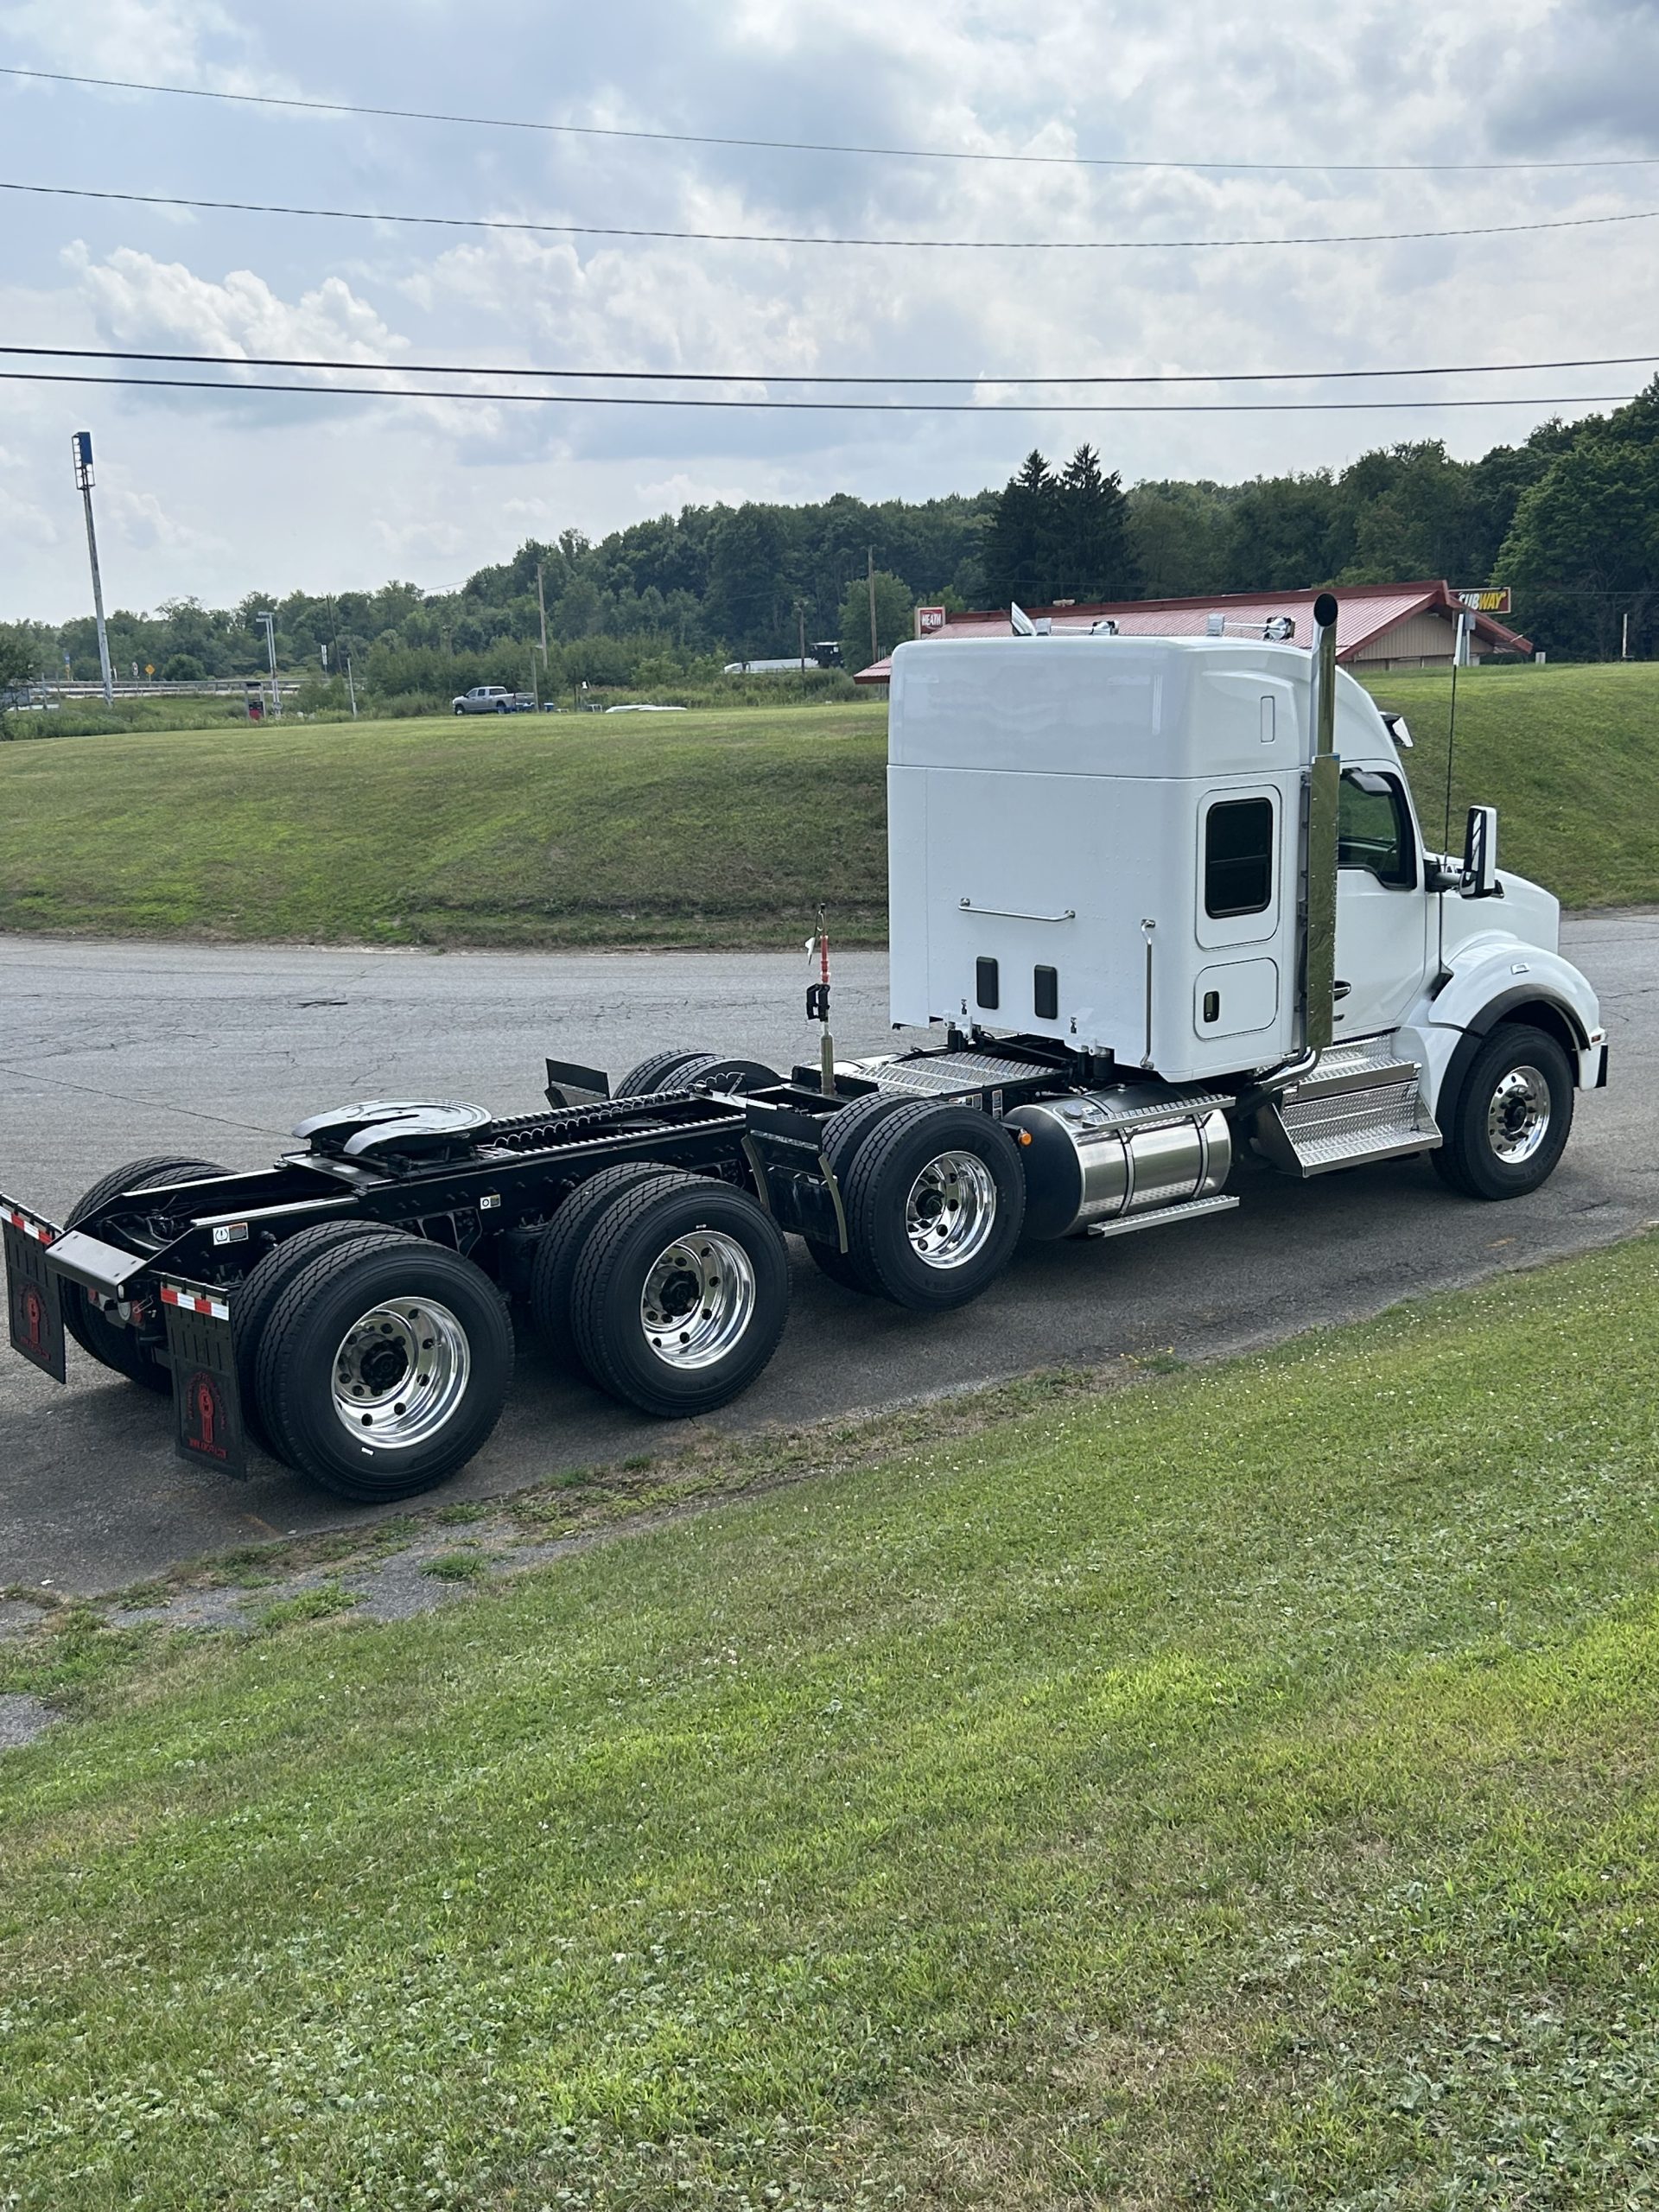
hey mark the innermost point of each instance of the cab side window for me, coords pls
(1238, 858)
(1373, 828)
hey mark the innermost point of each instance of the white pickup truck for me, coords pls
(492, 699)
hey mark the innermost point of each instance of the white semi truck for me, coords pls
(1155, 901)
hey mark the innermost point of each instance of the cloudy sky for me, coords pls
(216, 496)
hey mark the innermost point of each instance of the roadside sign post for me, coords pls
(1489, 599)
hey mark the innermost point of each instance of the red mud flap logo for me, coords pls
(34, 1316)
(204, 1418)
(206, 1403)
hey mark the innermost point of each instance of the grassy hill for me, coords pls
(1238, 1789)
(707, 828)
(1570, 758)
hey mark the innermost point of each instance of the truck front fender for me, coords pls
(1519, 983)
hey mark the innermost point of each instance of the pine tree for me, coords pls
(1094, 554)
(1020, 546)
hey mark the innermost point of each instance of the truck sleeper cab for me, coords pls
(1159, 901)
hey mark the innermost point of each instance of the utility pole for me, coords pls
(351, 688)
(82, 444)
(269, 621)
(1624, 637)
(800, 616)
(875, 651)
(541, 601)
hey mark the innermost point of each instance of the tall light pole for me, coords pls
(82, 444)
(269, 621)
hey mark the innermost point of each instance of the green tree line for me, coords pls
(1569, 518)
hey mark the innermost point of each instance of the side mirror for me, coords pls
(1480, 855)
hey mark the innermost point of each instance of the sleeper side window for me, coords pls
(1373, 829)
(1238, 858)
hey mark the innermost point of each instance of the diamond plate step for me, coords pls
(1360, 1103)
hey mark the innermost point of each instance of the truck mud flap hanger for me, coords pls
(45, 1263)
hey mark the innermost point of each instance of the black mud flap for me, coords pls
(570, 1084)
(33, 1307)
(206, 1403)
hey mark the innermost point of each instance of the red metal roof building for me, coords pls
(1379, 626)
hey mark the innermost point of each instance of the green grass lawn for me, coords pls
(705, 827)
(709, 827)
(1569, 756)
(1238, 1789)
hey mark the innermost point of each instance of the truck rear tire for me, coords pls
(844, 1133)
(383, 1367)
(255, 1300)
(680, 1296)
(559, 1249)
(109, 1344)
(935, 1199)
(716, 1072)
(1513, 1114)
(647, 1075)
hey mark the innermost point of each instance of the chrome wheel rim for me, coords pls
(400, 1372)
(952, 1210)
(1517, 1121)
(698, 1299)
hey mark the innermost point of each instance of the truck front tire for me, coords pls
(1510, 1120)
(680, 1296)
(383, 1367)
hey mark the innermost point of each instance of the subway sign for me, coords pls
(1492, 600)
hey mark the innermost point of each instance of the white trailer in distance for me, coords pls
(1157, 901)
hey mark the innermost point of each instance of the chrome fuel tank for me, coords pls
(1104, 1154)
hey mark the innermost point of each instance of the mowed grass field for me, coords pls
(704, 827)
(707, 828)
(1236, 1789)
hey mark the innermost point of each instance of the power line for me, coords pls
(766, 376)
(810, 237)
(817, 146)
(813, 406)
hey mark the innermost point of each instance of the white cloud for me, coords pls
(153, 41)
(138, 300)
(668, 494)
(331, 491)
(138, 519)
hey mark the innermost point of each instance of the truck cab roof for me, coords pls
(1076, 705)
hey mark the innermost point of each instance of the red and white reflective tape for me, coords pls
(193, 1303)
(37, 1230)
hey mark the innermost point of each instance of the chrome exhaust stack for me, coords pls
(1323, 786)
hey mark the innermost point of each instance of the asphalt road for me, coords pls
(108, 1052)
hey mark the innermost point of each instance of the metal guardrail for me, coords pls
(223, 687)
